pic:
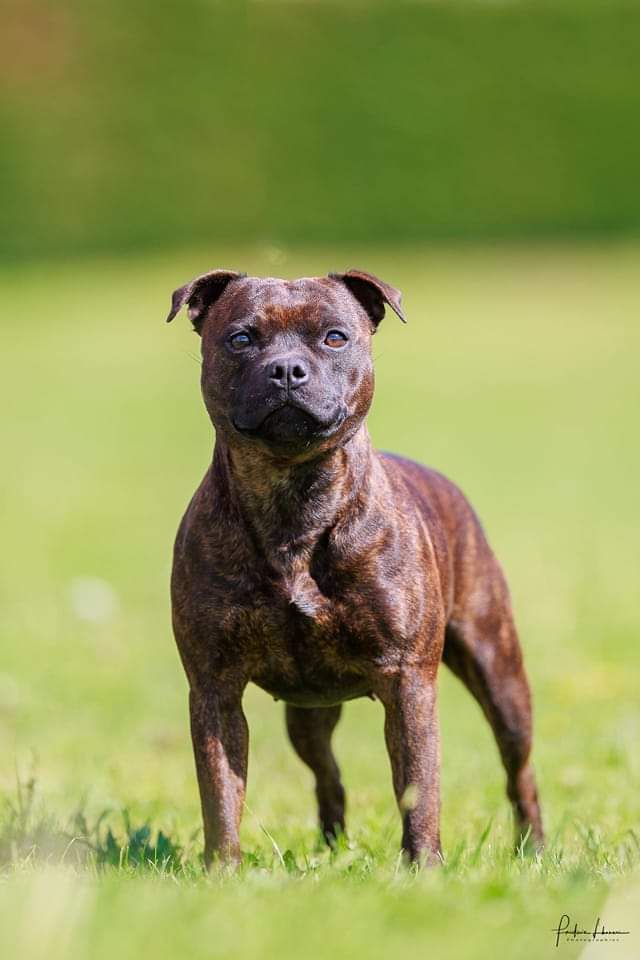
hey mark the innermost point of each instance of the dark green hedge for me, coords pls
(147, 123)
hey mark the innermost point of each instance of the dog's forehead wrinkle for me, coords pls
(311, 298)
(291, 305)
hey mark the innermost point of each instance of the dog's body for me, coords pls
(322, 570)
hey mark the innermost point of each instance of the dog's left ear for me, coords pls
(372, 293)
(200, 293)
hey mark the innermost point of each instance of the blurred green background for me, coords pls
(132, 122)
(481, 156)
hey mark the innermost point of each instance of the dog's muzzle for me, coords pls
(289, 424)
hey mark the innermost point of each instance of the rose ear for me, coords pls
(200, 293)
(371, 293)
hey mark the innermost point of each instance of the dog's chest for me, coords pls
(308, 646)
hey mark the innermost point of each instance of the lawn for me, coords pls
(517, 375)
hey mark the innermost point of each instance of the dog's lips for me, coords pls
(309, 425)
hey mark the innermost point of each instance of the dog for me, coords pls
(322, 570)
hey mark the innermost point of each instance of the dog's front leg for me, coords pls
(221, 745)
(413, 741)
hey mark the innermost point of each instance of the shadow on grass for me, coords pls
(29, 834)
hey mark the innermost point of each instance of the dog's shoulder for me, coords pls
(434, 493)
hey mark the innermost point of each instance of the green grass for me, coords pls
(517, 376)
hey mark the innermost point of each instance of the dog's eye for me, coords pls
(239, 340)
(336, 338)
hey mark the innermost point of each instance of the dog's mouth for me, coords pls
(291, 425)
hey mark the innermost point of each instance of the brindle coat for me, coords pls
(322, 570)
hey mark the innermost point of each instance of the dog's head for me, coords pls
(287, 363)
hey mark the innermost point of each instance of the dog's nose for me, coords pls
(288, 372)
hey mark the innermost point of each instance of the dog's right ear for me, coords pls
(200, 293)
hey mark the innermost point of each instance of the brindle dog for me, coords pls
(322, 570)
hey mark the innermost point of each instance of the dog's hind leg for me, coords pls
(485, 654)
(310, 730)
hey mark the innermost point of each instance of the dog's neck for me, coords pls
(287, 507)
